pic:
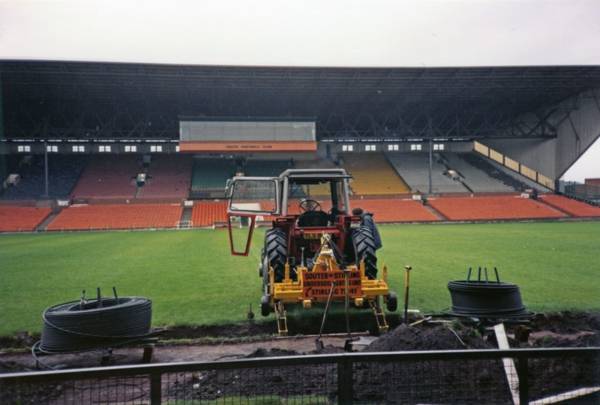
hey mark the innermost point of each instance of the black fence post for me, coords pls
(155, 388)
(522, 372)
(344, 381)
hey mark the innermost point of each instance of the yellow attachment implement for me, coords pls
(312, 286)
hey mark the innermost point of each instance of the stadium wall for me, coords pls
(577, 123)
(403, 146)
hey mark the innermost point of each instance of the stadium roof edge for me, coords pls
(354, 67)
(121, 99)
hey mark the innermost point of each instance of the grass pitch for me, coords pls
(192, 278)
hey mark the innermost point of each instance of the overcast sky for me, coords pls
(309, 32)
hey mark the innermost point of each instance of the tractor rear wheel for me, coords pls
(364, 249)
(276, 248)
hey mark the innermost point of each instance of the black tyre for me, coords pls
(265, 276)
(265, 305)
(276, 248)
(364, 249)
(391, 302)
(261, 265)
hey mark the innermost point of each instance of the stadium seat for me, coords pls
(395, 210)
(414, 169)
(169, 178)
(210, 176)
(493, 169)
(573, 207)
(492, 208)
(117, 216)
(474, 177)
(209, 213)
(21, 219)
(108, 177)
(63, 172)
(373, 175)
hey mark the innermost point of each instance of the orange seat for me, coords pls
(170, 177)
(395, 210)
(108, 177)
(573, 207)
(492, 207)
(208, 213)
(117, 216)
(15, 219)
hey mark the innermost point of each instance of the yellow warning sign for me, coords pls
(317, 285)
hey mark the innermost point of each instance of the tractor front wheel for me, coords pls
(276, 250)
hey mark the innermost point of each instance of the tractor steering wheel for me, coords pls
(310, 205)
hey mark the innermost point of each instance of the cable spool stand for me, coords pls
(101, 324)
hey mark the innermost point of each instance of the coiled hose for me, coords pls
(108, 322)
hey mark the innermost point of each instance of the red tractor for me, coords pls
(317, 250)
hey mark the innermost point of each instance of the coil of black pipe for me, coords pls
(486, 299)
(77, 326)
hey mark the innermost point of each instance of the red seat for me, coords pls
(108, 177)
(170, 177)
(492, 207)
(573, 207)
(395, 210)
(15, 219)
(208, 213)
(117, 216)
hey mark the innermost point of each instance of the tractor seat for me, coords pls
(313, 218)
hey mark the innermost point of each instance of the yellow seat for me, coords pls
(373, 175)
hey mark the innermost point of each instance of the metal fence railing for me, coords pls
(468, 376)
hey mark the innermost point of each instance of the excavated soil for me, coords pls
(429, 338)
(566, 322)
(481, 381)
(371, 381)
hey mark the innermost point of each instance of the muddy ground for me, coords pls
(464, 381)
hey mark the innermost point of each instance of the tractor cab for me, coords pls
(303, 203)
(315, 198)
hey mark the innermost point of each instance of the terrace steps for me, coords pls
(554, 207)
(44, 224)
(435, 212)
(21, 219)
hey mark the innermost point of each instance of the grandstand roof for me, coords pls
(112, 100)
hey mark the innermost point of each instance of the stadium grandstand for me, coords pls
(122, 146)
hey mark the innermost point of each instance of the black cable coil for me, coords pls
(108, 322)
(480, 299)
(485, 297)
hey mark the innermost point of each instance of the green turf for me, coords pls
(192, 278)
